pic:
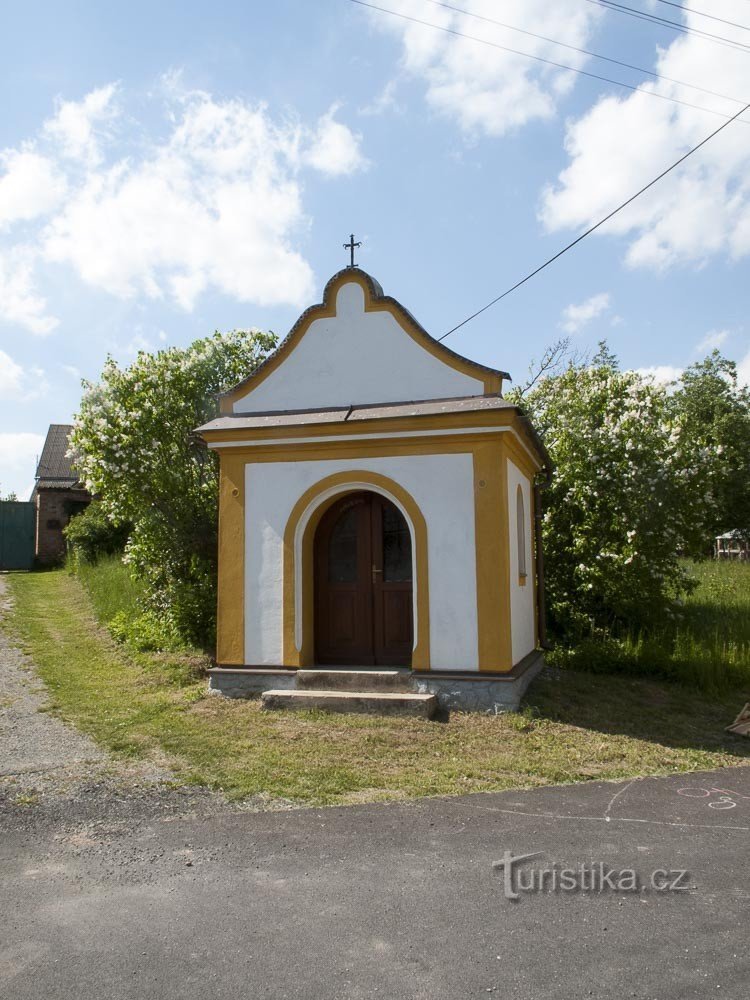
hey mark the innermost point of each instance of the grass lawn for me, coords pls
(707, 646)
(574, 726)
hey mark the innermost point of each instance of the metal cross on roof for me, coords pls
(350, 246)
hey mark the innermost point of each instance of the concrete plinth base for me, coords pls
(497, 693)
(468, 692)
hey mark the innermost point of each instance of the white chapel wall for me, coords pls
(356, 357)
(442, 487)
(523, 632)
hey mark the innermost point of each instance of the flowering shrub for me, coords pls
(713, 412)
(135, 448)
(627, 496)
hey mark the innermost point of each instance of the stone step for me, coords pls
(353, 680)
(373, 702)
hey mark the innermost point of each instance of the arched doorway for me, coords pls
(363, 584)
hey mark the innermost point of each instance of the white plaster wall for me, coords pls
(443, 488)
(356, 357)
(523, 632)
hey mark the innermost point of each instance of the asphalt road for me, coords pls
(173, 894)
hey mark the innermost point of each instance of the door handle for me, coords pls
(375, 570)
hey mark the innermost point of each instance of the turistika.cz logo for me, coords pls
(520, 877)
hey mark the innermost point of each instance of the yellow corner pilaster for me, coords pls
(492, 557)
(230, 615)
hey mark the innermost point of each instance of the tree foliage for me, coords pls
(639, 478)
(713, 411)
(135, 447)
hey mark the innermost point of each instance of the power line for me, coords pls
(596, 226)
(541, 59)
(666, 23)
(700, 13)
(586, 52)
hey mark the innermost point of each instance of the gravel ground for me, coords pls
(46, 763)
(30, 740)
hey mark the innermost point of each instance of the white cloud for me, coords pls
(712, 341)
(482, 87)
(18, 457)
(213, 205)
(30, 186)
(661, 374)
(384, 102)
(72, 371)
(577, 316)
(334, 149)
(11, 377)
(20, 303)
(17, 384)
(701, 209)
(77, 125)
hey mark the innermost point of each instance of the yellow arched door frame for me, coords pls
(298, 586)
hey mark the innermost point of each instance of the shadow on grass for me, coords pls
(730, 621)
(661, 713)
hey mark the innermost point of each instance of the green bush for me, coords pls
(122, 603)
(91, 535)
(146, 632)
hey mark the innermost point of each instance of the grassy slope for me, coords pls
(575, 726)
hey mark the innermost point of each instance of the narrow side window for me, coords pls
(521, 534)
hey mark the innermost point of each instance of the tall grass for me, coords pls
(706, 646)
(120, 603)
(112, 588)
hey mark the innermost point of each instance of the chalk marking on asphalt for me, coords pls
(616, 796)
(619, 819)
(726, 798)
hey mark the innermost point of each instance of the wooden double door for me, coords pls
(363, 584)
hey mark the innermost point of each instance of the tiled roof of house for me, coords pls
(55, 469)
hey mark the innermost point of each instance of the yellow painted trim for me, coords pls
(230, 611)
(520, 457)
(355, 450)
(534, 579)
(490, 381)
(492, 557)
(306, 655)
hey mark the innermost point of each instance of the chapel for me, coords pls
(378, 519)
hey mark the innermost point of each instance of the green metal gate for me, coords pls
(17, 531)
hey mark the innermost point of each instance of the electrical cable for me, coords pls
(595, 226)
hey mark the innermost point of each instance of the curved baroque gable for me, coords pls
(358, 346)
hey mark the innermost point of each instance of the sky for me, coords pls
(171, 169)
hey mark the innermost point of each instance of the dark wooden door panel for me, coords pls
(392, 585)
(343, 587)
(342, 619)
(397, 630)
(363, 584)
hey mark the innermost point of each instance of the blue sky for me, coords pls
(170, 169)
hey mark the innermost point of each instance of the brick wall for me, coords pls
(53, 511)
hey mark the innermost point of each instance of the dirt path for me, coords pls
(44, 759)
(31, 741)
